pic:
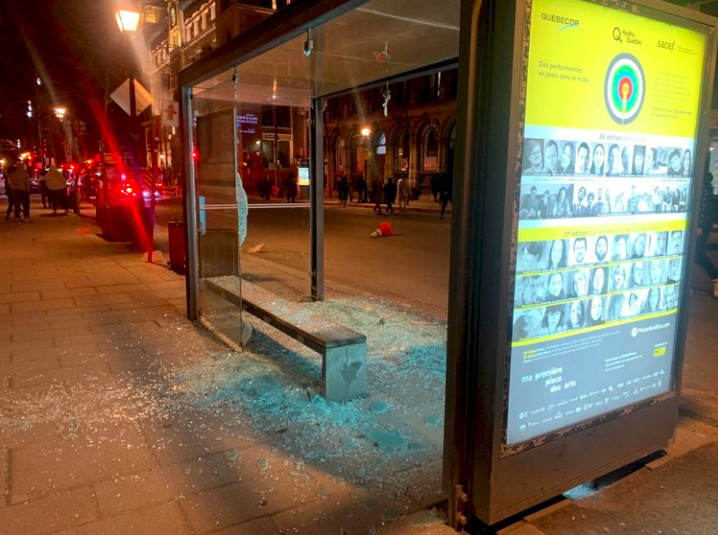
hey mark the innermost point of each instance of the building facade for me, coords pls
(411, 123)
(182, 32)
(411, 129)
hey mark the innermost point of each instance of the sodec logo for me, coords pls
(668, 45)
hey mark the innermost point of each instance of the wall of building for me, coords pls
(413, 138)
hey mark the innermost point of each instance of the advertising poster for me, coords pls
(608, 160)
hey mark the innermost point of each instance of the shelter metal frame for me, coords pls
(491, 38)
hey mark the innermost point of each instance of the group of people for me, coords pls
(592, 311)
(550, 157)
(642, 302)
(264, 188)
(553, 319)
(391, 192)
(346, 191)
(565, 300)
(560, 286)
(587, 251)
(53, 188)
(561, 204)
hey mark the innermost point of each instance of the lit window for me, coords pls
(402, 152)
(430, 149)
(381, 145)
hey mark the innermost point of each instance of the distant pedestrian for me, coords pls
(361, 189)
(260, 188)
(445, 188)
(708, 216)
(343, 187)
(43, 188)
(340, 190)
(57, 187)
(291, 188)
(390, 195)
(20, 185)
(403, 191)
(376, 191)
(8, 192)
(267, 187)
(436, 179)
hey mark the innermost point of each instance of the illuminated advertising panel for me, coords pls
(303, 176)
(607, 164)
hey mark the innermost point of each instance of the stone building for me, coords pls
(414, 137)
(412, 134)
(182, 32)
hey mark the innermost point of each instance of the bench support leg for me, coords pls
(345, 372)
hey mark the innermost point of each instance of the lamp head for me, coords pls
(127, 20)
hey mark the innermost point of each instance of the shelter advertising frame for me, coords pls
(503, 465)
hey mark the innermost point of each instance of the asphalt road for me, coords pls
(412, 266)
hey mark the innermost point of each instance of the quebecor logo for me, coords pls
(565, 22)
(625, 88)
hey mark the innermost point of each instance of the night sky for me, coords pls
(70, 44)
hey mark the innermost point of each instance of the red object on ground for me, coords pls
(386, 229)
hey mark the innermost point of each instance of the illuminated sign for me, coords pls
(607, 164)
(247, 123)
(303, 176)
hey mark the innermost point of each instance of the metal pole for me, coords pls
(235, 171)
(153, 189)
(316, 197)
(105, 186)
(190, 206)
(134, 131)
(275, 146)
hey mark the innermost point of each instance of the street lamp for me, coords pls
(127, 20)
(60, 112)
(365, 132)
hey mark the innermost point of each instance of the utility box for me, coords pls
(178, 260)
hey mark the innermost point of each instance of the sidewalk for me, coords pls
(106, 421)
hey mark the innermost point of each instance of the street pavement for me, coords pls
(100, 434)
(412, 266)
(94, 440)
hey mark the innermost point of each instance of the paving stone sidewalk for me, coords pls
(94, 441)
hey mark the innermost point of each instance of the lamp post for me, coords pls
(128, 21)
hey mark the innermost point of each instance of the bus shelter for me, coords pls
(579, 149)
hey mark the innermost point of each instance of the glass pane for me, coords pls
(380, 39)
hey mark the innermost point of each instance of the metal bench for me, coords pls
(344, 366)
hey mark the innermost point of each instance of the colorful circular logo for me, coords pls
(625, 88)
